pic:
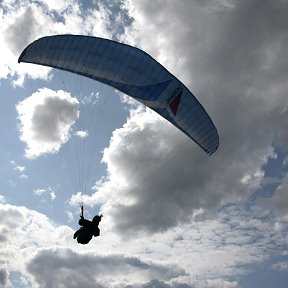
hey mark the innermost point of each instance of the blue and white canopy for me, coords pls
(131, 71)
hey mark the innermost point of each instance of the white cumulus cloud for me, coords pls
(46, 118)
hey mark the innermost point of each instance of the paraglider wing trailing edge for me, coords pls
(131, 71)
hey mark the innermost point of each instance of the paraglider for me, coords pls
(88, 228)
(131, 71)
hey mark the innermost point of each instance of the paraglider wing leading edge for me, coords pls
(133, 72)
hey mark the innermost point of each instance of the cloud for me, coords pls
(81, 134)
(20, 169)
(280, 199)
(45, 193)
(94, 270)
(14, 38)
(159, 182)
(46, 118)
(222, 247)
(39, 191)
(164, 177)
(2, 199)
(25, 21)
(32, 241)
(17, 36)
(36, 248)
(281, 266)
(156, 177)
(23, 231)
(4, 281)
(208, 253)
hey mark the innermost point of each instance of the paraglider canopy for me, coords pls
(131, 71)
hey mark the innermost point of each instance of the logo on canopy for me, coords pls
(174, 99)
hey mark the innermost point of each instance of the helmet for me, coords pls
(97, 218)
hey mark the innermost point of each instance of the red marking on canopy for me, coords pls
(175, 103)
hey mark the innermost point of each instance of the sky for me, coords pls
(173, 216)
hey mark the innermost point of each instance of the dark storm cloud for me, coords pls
(160, 284)
(233, 56)
(93, 270)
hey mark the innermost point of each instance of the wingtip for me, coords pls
(212, 151)
(21, 56)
